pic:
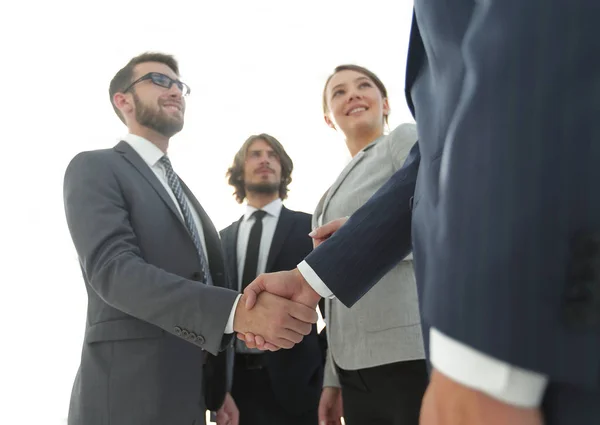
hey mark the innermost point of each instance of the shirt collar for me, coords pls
(272, 209)
(149, 152)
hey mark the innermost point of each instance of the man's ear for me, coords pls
(124, 103)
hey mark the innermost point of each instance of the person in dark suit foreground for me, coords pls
(499, 201)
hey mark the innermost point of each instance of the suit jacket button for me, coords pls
(192, 336)
(177, 330)
(184, 333)
(200, 339)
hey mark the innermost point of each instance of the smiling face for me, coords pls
(152, 106)
(354, 104)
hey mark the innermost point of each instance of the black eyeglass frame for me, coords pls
(161, 80)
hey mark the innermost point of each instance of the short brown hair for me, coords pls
(235, 173)
(361, 70)
(125, 75)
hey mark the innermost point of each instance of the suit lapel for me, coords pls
(319, 210)
(355, 161)
(284, 225)
(138, 163)
(336, 185)
(211, 238)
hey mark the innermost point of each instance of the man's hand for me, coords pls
(331, 409)
(287, 284)
(281, 322)
(321, 234)
(228, 414)
(447, 402)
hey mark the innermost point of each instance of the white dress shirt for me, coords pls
(467, 366)
(151, 155)
(268, 231)
(269, 224)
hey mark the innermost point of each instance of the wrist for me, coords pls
(239, 316)
(307, 295)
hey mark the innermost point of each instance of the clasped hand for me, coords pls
(281, 322)
(292, 286)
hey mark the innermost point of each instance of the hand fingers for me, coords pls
(241, 336)
(289, 335)
(271, 347)
(261, 344)
(323, 410)
(299, 327)
(235, 417)
(222, 418)
(252, 290)
(319, 241)
(328, 421)
(250, 341)
(304, 313)
(283, 343)
(328, 229)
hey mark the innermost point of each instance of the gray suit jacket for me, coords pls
(384, 326)
(149, 321)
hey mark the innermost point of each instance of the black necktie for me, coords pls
(251, 263)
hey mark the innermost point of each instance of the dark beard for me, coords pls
(156, 120)
(263, 188)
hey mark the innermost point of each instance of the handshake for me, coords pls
(278, 309)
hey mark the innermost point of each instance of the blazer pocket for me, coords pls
(121, 329)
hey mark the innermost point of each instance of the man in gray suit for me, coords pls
(158, 308)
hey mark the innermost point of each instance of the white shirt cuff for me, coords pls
(229, 326)
(479, 371)
(314, 280)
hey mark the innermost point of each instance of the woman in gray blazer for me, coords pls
(375, 371)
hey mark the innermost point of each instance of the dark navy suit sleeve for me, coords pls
(373, 240)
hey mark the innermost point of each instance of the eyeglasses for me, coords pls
(161, 80)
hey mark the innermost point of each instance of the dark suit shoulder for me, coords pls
(227, 229)
(300, 215)
(94, 162)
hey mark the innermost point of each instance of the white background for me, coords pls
(253, 66)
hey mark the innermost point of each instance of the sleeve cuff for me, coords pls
(314, 280)
(474, 369)
(229, 326)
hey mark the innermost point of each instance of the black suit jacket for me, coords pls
(296, 374)
(503, 188)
